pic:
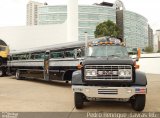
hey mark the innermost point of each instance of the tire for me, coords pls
(138, 102)
(1, 61)
(67, 82)
(78, 100)
(1, 73)
(18, 75)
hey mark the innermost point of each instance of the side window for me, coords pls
(69, 53)
(23, 57)
(80, 52)
(57, 54)
(36, 56)
(32, 56)
(10, 57)
(83, 51)
(41, 56)
(27, 56)
(15, 57)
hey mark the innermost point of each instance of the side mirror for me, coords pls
(77, 53)
(138, 54)
(46, 56)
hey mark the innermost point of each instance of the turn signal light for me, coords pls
(136, 66)
(101, 43)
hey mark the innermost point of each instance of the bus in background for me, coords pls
(4, 51)
(56, 62)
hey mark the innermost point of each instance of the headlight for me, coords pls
(124, 73)
(91, 72)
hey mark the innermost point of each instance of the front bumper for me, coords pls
(109, 92)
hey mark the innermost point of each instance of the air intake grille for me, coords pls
(109, 72)
(107, 91)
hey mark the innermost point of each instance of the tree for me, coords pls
(107, 28)
(148, 49)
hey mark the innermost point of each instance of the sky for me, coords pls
(13, 12)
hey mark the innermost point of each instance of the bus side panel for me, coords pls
(28, 69)
(62, 69)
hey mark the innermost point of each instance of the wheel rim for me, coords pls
(17, 74)
(1, 72)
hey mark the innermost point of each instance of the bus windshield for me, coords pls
(98, 51)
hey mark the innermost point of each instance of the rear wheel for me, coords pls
(78, 100)
(1, 61)
(138, 102)
(1, 72)
(18, 75)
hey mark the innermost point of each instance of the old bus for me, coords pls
(56, 62)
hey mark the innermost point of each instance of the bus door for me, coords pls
(46, 65)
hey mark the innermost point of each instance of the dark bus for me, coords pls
(56, 62)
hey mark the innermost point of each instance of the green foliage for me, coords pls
(158, 51)
(148, 49)
(107, 28)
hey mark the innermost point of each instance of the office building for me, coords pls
(150, 37)
(89, 16)
(32, 12)
(134, 27)
(158, 38)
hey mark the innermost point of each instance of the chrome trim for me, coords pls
(108, 92)
(106, 77)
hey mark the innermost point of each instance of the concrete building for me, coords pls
(32, 12)
(156, 41)
(25, 37)
(158, 37)
(158, 45)
(150, 37)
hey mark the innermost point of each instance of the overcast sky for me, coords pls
(13, 12)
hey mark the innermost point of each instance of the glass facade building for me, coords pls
(89, 17)
(135, 30)
(134, 26)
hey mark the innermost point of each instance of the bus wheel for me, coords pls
(18, 75)
(67, 82)
(1, 61)
(1, 72)
(138, 103)
(78, 100)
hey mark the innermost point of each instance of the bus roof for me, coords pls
(50, 47)
(60, 46)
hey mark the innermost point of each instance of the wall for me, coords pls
(24, 37)
(150, 64)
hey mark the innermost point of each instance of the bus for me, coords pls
(56, 62)
(4, 51)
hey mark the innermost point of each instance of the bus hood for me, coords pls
(108, 61)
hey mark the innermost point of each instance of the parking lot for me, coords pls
(40, 96)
